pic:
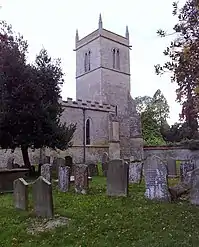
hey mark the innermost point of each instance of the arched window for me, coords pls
(87, 134)
(113, 54)
(85, 61)
(89, 60)
(118, 59)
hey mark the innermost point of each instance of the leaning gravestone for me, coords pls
(20, 194)
(135, 171)
(185, 166)
(42, 198)
(194, 192)
(156, 182)
(105, 160)
(64, 178)
(81, 178)
(117, 178)
(46, 172)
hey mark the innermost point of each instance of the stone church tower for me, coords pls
(103, 75)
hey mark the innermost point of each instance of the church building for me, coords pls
(104, 110)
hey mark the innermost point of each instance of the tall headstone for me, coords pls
(42, 198)
(156, 182)
(185, 166)
(117, 178)
(10, 162)
(105, 160)
(46, 172)
(194, 192)
(92, 170)
(64, 178)
(135, 171)
(69, 163)
(20, 194)
(171, 164)
(81, 178)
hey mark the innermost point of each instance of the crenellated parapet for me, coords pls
(89, 105)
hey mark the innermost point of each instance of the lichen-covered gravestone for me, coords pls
(135, 171)
(64, 178)
(117, 178)
(20, 194)
(185, 166)
(105, 160)
(156, 182)
(81, 178)
(46, 172)
(42, 198)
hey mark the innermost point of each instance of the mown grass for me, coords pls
(99, 221)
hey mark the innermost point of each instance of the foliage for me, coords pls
(183, 62)
(150, 129)
(30, 108)
(154, 112)
(96, 220)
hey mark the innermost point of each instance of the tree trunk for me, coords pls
(24, 150)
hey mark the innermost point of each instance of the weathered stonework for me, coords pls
(101, 92)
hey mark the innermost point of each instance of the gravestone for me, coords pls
(117, 178)
(92, 170)
(185, 166)
(42, 198)
(69, 163)
(10, 162)
(105, 160)
(81, 178)
(156, 182)
(194, 192)
(46, 172)
(20, 194)
(135, 171)
(64, 178)
(171, 164)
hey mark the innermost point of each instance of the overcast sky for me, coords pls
(52, 24)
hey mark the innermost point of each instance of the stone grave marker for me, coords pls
(81, 178)
(117, 178)
(105, 160)
(42, 198)
(69, 163)
(20, 194)
(10, 162)
(92, 170)
(171, 164)
(46, 172)
(194, 192)
(64, 178)
(135, 171)
(185, 166)
(156, 182)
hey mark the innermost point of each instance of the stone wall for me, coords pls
(177, 153)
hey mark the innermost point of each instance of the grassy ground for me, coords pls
(99, 221)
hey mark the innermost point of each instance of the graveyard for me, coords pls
(97, 219)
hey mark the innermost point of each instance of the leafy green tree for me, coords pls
(30, 109)
(183, 61)
(160, 107)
